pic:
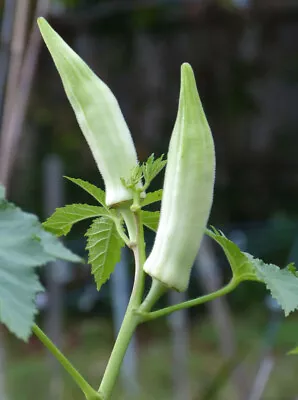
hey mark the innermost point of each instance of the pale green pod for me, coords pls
(98, 114)
(188, 191)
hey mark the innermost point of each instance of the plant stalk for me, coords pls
(127, 329)
(131, 318)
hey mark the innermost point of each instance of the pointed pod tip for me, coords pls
(44, 27)
(41, 20)
(186, 67)
(188, 88)
(187, 74)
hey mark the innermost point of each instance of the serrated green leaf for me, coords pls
(104, 248)
(152, 168)
(24, 245)
(97, 193)
(151, 219)
(61, 222)
(134, 179)
(56, 249)
(241, 266)
(152, 197)
(148, 170)
(282, 283)
(292, 268)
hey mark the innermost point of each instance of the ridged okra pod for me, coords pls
(98, 114)
(188, 191)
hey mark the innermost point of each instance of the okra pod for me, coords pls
(188, 191)
(98, 114)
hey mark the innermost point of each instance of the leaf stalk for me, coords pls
(88, 391)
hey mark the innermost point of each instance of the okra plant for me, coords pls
(119, 217)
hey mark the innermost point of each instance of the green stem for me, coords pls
(156, 291)
(88, 391)
(139, 252)
(131, 318)
(147, 316)
(130, 224)
(121, 232)
(127, 329)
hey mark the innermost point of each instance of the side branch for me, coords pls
(148, 316)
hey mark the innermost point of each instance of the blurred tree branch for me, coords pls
(21, 74)
(6, 32)
(16, 56)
